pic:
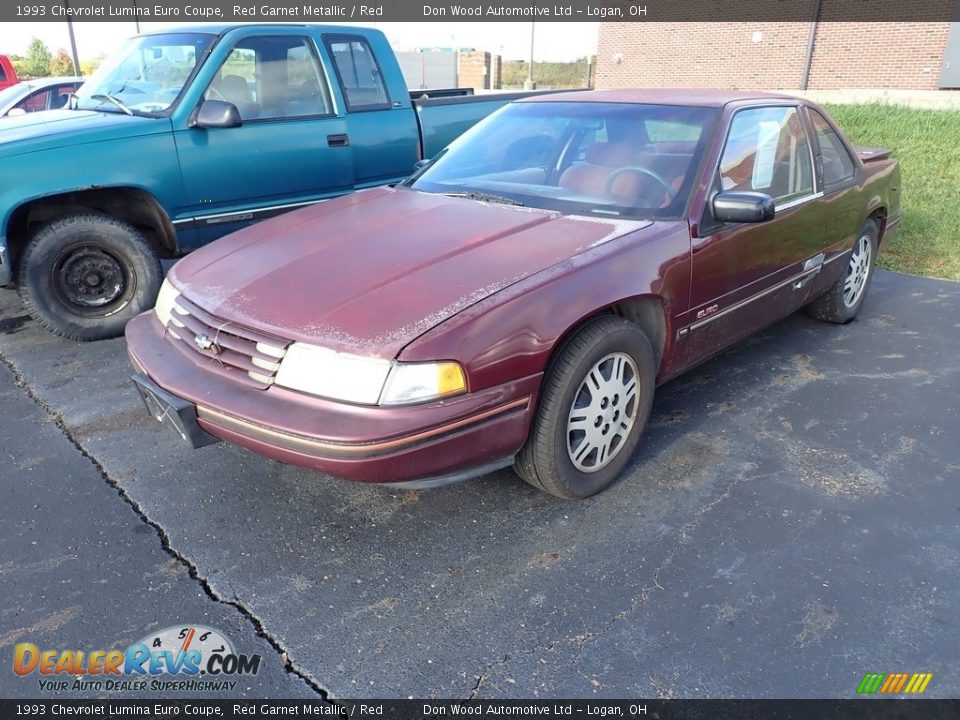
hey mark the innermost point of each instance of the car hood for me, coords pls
(371, 272)
(53, 129)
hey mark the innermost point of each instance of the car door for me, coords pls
(290, 148)
(382, 128)
(746, 275)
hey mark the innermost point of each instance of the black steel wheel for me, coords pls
(84, 276)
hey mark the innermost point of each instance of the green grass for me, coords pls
(927, 144)
(555, 75)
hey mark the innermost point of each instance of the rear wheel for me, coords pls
(842, 301)
(594, 405)
(84, 276)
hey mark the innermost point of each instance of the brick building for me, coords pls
(779, 55)
(479, 70)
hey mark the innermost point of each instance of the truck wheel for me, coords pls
(593, 407)
(84, 276)
(842, 302)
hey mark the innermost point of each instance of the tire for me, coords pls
(839, 304)
(84, 276)
(556, 457)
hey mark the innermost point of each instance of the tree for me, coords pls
(38, 59)
(61, 64)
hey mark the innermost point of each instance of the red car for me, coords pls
(8, 75)
(518, 299)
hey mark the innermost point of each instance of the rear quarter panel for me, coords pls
(513, 333)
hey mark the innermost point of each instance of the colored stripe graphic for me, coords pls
(870, 683)
(918, 683)
(894, 683)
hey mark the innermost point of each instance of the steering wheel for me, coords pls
(667, 189)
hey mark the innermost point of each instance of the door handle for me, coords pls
(341, 140)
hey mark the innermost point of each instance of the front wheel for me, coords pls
(842, 301)
(595, 402)
(84, 276)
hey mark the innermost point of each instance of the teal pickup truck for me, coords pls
(187, 134)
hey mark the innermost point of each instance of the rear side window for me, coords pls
(359, 73)
(837, 163)
(3, 74)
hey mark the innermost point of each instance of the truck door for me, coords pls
(745, 276)
(382, 127)
(291, 148)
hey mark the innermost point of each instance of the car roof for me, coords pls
(67, 79)
(220, 28)
(205, 28)
(660, 96)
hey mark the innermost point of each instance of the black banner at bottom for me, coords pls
(872, 709)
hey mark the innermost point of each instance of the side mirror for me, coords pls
(743, 207)
(16, 111)
(217, 114)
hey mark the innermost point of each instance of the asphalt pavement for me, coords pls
(790, 523)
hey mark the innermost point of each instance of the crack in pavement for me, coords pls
(192, 570)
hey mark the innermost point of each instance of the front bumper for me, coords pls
(6, 271)
(425, 444)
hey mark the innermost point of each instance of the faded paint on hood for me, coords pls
(370, 272)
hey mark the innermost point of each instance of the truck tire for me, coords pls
(83, 276)
(842, 301)
(593, 407)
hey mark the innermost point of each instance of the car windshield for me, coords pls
(146, 76)
(592, 158)
(14, 93)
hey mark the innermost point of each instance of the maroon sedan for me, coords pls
(518, 299)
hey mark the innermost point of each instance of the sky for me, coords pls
(554, 41)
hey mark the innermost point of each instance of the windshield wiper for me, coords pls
(103, 97)
(485, 197)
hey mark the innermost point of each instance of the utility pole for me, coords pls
(73, 42)
(529, 84)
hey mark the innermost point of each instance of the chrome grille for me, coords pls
(223, 347)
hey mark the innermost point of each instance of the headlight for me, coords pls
(165, 301)
(329, 374)
(419, 382)
(366, 381)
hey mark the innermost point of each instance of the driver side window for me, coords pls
(270, 78)
(768, 151)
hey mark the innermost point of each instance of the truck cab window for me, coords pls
(359, 74)
(270, 78)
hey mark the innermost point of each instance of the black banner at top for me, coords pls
(321, 11)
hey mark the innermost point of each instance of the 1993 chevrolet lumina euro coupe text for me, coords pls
(519, 298)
